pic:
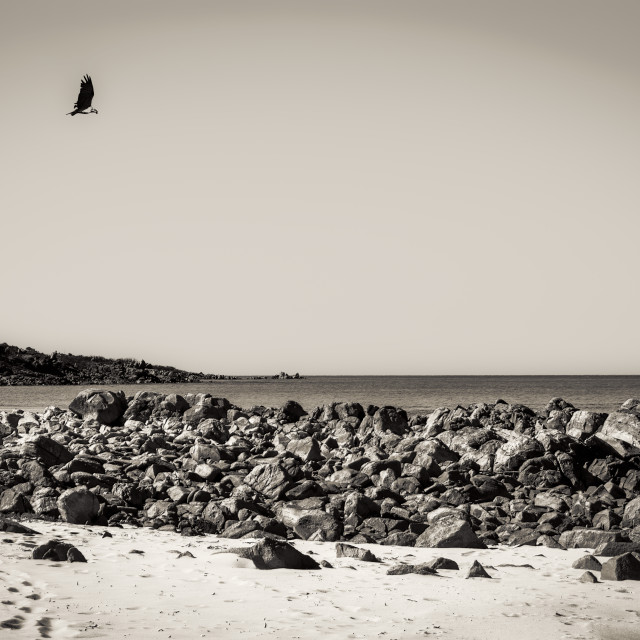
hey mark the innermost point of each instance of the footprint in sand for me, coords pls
(21, 612)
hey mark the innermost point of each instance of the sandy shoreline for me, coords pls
(120, 593)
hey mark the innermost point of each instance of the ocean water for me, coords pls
(415, 394)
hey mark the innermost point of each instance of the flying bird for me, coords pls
(84, 98)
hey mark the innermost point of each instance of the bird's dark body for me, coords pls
(84, 98)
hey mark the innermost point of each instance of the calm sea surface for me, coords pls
(415, 394)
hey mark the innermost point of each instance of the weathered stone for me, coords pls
(206, 407)
(276, 554)
(584, 424)
(344, 550)
(450, 532)
(612, 549)
(624, 567)
(78, 506)
(588, 577)
(587, 538)
(269, 480)
(239, 529)
(104, 406)
(621, 432)
(402, 569)
(292, 411)
(57, 550)
(47, 450)
(11, 526)
(518, 448)
(477, 571)
(390, 420)
(13, 502)
(443, 563)
(306, 522)
(307, 449)
(75, 555)
(587, 562)
(631, 517)
(202, 452)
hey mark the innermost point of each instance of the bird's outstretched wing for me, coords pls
(86, 94)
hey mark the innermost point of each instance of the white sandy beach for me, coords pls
(122, 593)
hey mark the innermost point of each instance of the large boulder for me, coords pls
(624, 567)
(13, 502)
(104, 406)
(587, 538)
(206, 407)
(631, 516)
(584, 424)
(344, 550)
(309, 522)
(621, 433)
(517, 448)
(292, 411)
(390, 420)
(78, 505)
(268, 479)
(450, 531)
(307, 449)
(276, 554)
(47, 450)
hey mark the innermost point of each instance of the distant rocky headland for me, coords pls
(459, 477)
(26, 367)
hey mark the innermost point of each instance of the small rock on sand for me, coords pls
(477, 571)
(587, 576)
(349, 551)
(587, 562)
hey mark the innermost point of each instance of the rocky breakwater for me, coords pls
(459, 477)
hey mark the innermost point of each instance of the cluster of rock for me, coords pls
(30, 367)
(59, 551)
(459, 477)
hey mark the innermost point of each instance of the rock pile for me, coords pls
(463, 477)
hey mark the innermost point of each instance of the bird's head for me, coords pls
(93, 110)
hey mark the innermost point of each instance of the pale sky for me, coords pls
(328, 187)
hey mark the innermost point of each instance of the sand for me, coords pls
(138, 585)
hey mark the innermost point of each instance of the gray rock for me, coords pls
(584, 424)
(344, 550)
(306, 522)
(443, 563)
(307, 449)
(587, 538)
(611, 549)
(624, 567)
(104, 406)
(631, 517)
(588, 577)
(78, 505)
(390, 420)
(12, 501)
(621, 433)
(518, 448)
(11, 526)
(292, 411)
(450, 532)
(477, 571)
(276, 554)
(239, 529)
(269, 480)
(587, 562)
(47, 450)
(203, 451)
(402, 569)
